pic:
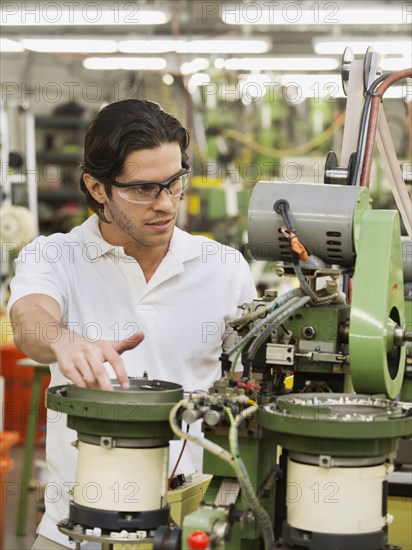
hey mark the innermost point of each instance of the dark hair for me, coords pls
(119, 129)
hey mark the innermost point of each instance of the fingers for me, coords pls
(129, 343)
(116, 362)
(83, 364)
(86, 370)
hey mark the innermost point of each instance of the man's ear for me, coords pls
(96, 189)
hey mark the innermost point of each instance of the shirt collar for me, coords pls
(182, 246)
(93, 239)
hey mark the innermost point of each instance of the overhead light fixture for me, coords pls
(336, 46)
(395, 63)
(319, 86)
(7, 45)
(193, 46)
(77, 45)
(91, 13)
(326, 87)
(194, 66)
(224, 46)
(148, 46)
(125, 63)
(291, 13)
(278, 64)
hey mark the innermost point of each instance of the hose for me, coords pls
(276, 322)
(269, 319)
(277, 304)
(235, 462)
(262, 517)
(360, 149)
(205, 443)
(376, 100)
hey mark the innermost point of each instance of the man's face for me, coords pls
(149, 225)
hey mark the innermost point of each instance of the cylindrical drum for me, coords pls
(326, 218)
(122, 479)
(123, 450)
(335, 500)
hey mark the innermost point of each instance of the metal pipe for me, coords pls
(373, 120)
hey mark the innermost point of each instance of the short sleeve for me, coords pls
(37, 270)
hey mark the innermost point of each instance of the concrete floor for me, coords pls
(11, 494)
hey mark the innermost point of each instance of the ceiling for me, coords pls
(291, 35)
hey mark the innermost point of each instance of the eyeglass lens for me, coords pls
(147, 192)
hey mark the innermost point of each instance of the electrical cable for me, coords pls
(278, 303)
(302, 281)
(373, 120)
(205, 443)
(274, 315)
(178, 460)
(362, 128)
(235, 462)
(251, 352)
(242, 475)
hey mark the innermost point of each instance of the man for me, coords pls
(125, 280)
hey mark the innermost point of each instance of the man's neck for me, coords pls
(148, 257)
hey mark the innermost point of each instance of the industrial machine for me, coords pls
(301, 447)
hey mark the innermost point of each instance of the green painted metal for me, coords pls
(406, 391)
(259, 457)
(202, 519)
(136, 413)
(363, 202)
(341, 429)
(377, 366)
(326, 321)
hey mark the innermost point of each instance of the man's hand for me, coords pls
(79, 360)
(82, 362)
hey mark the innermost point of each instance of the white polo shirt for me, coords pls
(103, 294)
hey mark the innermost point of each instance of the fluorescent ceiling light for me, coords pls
(224, 46)
(126, 63)
(327, 87)
(148, 46)
(78, 45)
(193, 46)
(194, 66)
(291, 13)
(279, 64)
(331, 46)
(316, 86)
(395, 63)
(7, 45)
(92, 13)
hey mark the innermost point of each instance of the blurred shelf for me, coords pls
(60, 122)
(44, 156)
(59, 195)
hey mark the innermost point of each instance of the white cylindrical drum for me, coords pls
(121, 479)
(335, 500)
(326, 218)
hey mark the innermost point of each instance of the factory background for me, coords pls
(259, 85)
